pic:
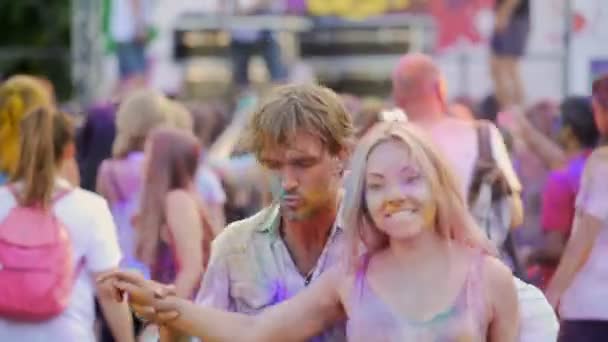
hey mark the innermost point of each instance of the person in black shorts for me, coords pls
(508, 45)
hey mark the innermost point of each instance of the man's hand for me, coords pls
(150, 300)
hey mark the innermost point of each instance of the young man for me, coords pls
(578, 288)
(301, 135)
(508, 45)
(419, 89)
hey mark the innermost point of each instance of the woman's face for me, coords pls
(397, 195)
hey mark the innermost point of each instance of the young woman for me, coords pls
(46, 142)
(173, 232)
(423, 276)
(120, 178)
(18, 96)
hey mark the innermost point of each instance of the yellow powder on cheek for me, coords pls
(428, 215)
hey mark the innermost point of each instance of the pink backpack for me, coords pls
(36, 269)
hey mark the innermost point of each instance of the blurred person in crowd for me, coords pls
(508, 44)
(173, 230)
(405, 205)
(180, 117)
(129, 30)
(247, 189)
(94, 142)
(246, 43)
(578, 137)
(532, 170)
(208, 183)
(578, 288)
(420, 90)
(47, 141)
(301, 135)
(18, 96)
(120, 177)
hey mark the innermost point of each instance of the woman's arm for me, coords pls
(553, 155)
(184, 222)
(297, 319)
(585, 231)
(504, 305)
(591, 215)
(106, 183)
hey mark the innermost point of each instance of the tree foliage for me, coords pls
(35, 39)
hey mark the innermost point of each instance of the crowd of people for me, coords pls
(303, 215)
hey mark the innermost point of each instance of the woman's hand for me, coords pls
(149, 300)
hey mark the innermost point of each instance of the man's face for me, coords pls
(304, 176)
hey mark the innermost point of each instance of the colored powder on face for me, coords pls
(276, 188)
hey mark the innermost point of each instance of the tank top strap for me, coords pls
(360, 275)
(475, 298)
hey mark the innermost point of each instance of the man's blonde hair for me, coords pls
(290, 109)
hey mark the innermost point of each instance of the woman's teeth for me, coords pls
(393, 211)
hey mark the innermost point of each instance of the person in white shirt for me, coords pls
(578, 288)
(47, 139)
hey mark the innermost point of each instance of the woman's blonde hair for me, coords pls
(452, 220)
(19, 95)
(180, 116)
(142, 111)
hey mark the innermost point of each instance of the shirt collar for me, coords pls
(272, 220)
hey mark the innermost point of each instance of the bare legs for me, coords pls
(507, 81)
